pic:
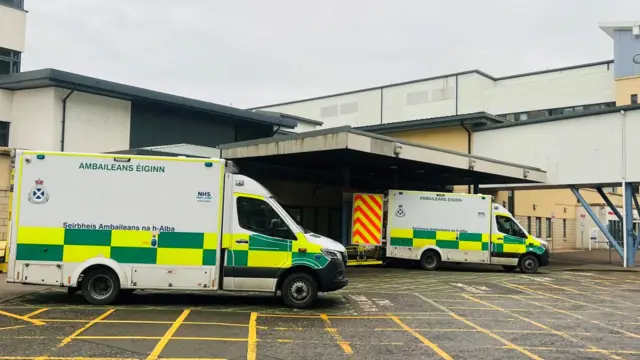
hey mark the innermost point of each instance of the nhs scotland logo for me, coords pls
(204, 196)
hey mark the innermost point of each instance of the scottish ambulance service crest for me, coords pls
(38, 193)
(400, 212)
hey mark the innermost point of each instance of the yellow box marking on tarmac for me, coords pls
(88, 325)
(155, 353)
(481, 329)
(595, 295)
(252, 346)
(34, 313)
(20, 317)
(545, 327)
(12, 327)
(565, 312)
(528, 289)
(336, 336)
(424, 340)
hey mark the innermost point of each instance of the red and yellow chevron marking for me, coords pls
(367, 219)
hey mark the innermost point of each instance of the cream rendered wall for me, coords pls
(587, 85)
(6, 103)
(34, 120)
(367, 112)
(95, 123)
(419, 100)
(13, 24)
(583, 150)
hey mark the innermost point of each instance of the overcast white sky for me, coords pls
(258, 52)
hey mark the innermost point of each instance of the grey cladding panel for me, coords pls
(626, 47)
(158, 124)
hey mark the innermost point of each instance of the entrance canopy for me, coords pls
(353, 158)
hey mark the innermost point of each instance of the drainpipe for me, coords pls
(464, 126)
(64, 117)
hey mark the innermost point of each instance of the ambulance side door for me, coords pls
(261, 244)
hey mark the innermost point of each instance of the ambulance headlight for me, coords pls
(331, 254)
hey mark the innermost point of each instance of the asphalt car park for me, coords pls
(383, 313)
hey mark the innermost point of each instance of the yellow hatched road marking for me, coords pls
(20, 317)
(542, 326)
(481, 329)
(12, 327)
(424, 340)
(34, 313)
(155, 353)
(528, 289)
(334, 333)
(624, 332)
(79, 331)
(252, 346)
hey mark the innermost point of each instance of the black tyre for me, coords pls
(529, 264)
(510, 268)
(299, 291)
(430, 260)
(101, 286)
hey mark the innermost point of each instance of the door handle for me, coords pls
(242, 241)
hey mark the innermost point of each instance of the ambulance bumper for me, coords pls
(544, 258)
(333, 276)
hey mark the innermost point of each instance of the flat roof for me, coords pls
(610, 27)
(56, 78)
(473, 119)
(371, 156)
(475, 71)
(574, 115)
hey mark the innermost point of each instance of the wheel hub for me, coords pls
(100, 287)
(299, 290)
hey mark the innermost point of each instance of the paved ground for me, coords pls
(383, 313)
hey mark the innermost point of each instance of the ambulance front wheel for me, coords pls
(430, 260)
(529, 264)
(100, 286)
(299, 290)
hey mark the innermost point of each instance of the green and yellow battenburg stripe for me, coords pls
(123, 246)
(267, 252)
(442, 239)
(173, 248)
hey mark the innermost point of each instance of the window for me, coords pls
(564, 228)
(634, 98)
(538, 227)
(258, 216)
(529, 224)
(4, 133)
(9, 61)
(15, 3)
(508, 226)
(549, 226)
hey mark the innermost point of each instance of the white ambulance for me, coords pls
(104, 223)
(460, 228)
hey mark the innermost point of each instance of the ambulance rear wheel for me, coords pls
(299, 291)
(430, 260)
(100, 286)
(529, 264)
